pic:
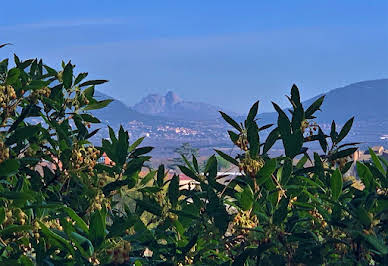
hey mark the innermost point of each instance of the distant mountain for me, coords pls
(173, 107)
(366, 100)
(119, 113)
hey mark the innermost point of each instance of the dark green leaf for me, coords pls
(92, 82)
(345, 130)
(97, 228)
(253, 112)
(173, 190)
(67, 75)
(9, 167)
(227, 157)
(98, 105)
(230, 121)
(336, 184)
(314, 107)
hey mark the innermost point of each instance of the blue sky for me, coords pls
(229, 53)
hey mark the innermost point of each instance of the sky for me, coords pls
(228, 53)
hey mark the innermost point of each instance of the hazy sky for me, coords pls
(229, 53)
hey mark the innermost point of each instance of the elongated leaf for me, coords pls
(80, 77)
(9, 167)
(377, 162)
(343, 153)
(268, 168)
(93, 82)
(98, 105)
(160, 176)
(149, 205)
(253, 112)
(245, 198)
(57, 237)
(78, 220)
(67, 76)
(365, 174)
(336, 184)
(314, 107)
(173, 190)
(271, 139)
(230, 121)
(345, 129)
(253, 139)
(227, 157)
(135, 144)
(97, 229)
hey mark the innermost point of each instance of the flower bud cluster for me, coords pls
(99, 202)
(242, 141)
(251, 166)
(243, 221)
(291, 202)
(85, 157)
(314, 213)
(15, 216)
(120, 253)
(4, 152)
(39, 93)
(7, 94)
(54, 224)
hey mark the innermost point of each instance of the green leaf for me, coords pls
(253, 112)
(216, 209)
(67, 75)
(295, 97)
(314, 107)
(149, 205)
(89, 92)
(271, 139)
(333, 133)
(14, 229)
(135, 144)
(160, 175)
(12, 76)
(57, 237)
(97, 228)
(281, 212)
(363, 216)
(377, 162)
(93, 82)
(9, 167)
(345, 130)
(336, 184)
(376, 243)
(141, 151)
(78, 220)
(343, 153)
(82, 243)
(2, 215)
(230, 121)
(233, 136)
(80, 77)
(173, 191)
(227, 157)
(268, 168)
(365, 174)
(17, 195)
(89, 118)
(98, 105)
(245, 198)
(253, 139)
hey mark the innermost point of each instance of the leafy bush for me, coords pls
(60, 207)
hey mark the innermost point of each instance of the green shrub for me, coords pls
(60, 207)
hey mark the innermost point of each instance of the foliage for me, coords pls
(185, 152)
(58, 206)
